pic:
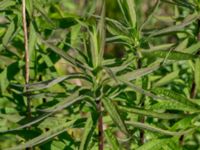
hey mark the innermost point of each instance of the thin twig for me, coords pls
(100, 125)
(26, 55)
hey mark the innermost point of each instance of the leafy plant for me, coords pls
(75, 75)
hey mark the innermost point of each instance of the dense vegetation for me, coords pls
(100, 74)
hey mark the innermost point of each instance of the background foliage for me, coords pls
(122, 74)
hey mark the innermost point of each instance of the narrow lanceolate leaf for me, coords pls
(132, 13)
(94, 47)
(3, 81)
(44, 137)
(112, 141)
(151, 113)
(88, 131)
(167, 79)
(156, 144)
(171, 95)
(6, 3)
(34, 121)
(151, 14)
(139, 73)
(159, 47)
(29, 7)
(50, 83)
(114, 114)
(197, 74)
(173, 105)
(8, 36)
(70, 100)
(172, 55)
(192, 49)
(176, 28)
(141, 90)
(101, 32)
(32, 39)
(63, 54)
(158, 130)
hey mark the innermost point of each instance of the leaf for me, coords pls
(132, 13)
(158, 130)
(70, 100)
(46, 84)
(159, 47)
(197, 74)
(3, 81)
(88, 131)
(64, 55)
(9, 33)
(43, 137)
(114, 114)
(6, 3)
(176, 28)
(172, 55)
(32, 39)
(173, 105)
(112, 141)
(183, 124)
(192, 49)
(156, 144)
(29, 7)
(166, 79)
(151, 113)
(139, 73)
(30, 123)
(94, 47)
(151, 14)
(171, 95)
(182, 45)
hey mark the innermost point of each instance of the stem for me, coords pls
(100, 125)
(26, 55)
(26, 60)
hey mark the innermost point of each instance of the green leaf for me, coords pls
(173, 105)
(43, 137)
(151, 113)
(32, 40)
(158, 130)
(6, 3)
(29, 7)
(166, 79)
(183, 124)
(132, 13)
(157, 144)
(3, 81)
(139, 72)
(172, 55)
(88, 132)
(197, 74)
(192, 49)
(171, 95)
(46, 84)
(112, 141)
(30, 123)
(114, 114)
(159, 47)
(176, 28)
(8, 36)
(70, 100)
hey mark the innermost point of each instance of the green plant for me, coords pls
(144, 94)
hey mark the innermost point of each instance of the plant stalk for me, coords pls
(100, 125)
(27, 71)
